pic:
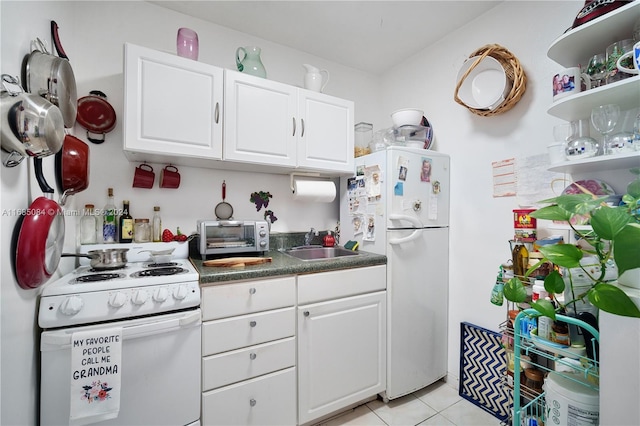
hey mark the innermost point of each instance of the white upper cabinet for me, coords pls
(260, 122)
(267, 122)
(327, 137)
(172, 108)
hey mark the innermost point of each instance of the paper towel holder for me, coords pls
(291, 179)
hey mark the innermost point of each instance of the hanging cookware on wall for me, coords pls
(223, 209)
(96, 115)
(104, 260)
(31, 125)
(72, 167)
(52, 77)
(39, 243)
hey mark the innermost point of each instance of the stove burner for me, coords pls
(158, 272)
(162, 265)
(97, 277)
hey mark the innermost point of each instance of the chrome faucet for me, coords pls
(309, 236)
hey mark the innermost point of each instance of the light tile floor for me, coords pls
(438, 404)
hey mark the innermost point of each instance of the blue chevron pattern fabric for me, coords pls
(482, 364)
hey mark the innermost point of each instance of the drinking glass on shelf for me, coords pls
(597, 69)
(187, 43)
(604, 119)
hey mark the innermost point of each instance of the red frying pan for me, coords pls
(41, 237)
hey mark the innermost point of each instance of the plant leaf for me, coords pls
(566, 255)
(633, 188)
(608, 221)
(545, 307)
(627, 248)
(611, 299)
(552, 213)
(514, 291)
(554, 283)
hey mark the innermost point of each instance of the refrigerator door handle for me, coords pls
(413, 236)
(411, 219)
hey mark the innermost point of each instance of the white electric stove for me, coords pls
(155, 308)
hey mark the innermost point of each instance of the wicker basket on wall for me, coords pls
(513, 70)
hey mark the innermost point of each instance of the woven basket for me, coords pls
(513, 70)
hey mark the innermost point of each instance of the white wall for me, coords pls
(481, 225)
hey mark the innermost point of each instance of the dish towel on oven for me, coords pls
(96, 364)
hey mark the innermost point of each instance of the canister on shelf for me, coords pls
(142, 231)
(524, 225)
(534, 378)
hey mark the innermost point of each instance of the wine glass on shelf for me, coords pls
(597, 69)
(604, 119)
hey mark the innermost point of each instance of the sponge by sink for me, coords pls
(351, 245)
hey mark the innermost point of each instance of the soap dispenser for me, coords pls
(328, 240)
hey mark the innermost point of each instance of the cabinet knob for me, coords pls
(305, 313)
(217, 113)
(302, 121)
(252, 402)
(252, 356)
(252, 290)
(294, 127)
(253, 323)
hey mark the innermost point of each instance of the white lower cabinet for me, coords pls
(341, 345)
(248, 350)
(291, 350)
(266, 400)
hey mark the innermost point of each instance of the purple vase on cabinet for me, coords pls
(187, 43)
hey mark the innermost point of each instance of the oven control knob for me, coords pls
(181, 292)
(117, 299)
(140, 297)
(71, 305)
(161, 294)
(262, 233)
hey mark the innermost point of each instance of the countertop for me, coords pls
(282, 264)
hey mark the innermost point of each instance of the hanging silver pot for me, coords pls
(31, 126)
(52, 78)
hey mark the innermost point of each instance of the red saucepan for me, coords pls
(41, 237)
(96, 115)
(72, 167)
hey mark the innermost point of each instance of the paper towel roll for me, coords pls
(319, 191)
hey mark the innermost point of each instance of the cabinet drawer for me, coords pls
(235, 366)
(247, 330)
(266, 400)
(243, 298)
(343, 283)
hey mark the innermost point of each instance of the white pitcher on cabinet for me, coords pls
(313, 78)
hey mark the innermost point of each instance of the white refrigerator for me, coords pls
(397, 204)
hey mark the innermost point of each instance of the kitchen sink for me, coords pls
(319, 253)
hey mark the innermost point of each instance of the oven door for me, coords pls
(159, 378)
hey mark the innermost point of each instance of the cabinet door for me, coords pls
(260, 120)
(265, 400)
(327, 140)
(341, 353)
(172, 106)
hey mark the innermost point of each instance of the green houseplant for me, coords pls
(614, 234)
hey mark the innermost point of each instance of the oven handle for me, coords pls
(57, 340)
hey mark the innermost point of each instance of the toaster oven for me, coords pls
(219, 237)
